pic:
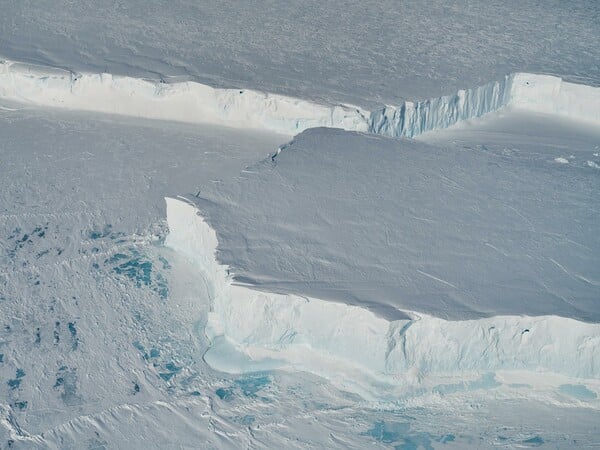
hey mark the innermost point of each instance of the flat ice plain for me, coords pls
(313, 287)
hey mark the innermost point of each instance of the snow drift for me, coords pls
(329, 338)
(243, 108)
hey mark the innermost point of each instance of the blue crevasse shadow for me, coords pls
(15, 383)
(224, 394)
(141, 349)
(21, 405)
(400, 436)
(66, 381)
(386, 432)
(105, 232)
(246, 420)
(166, 375)
(165, 263)
(135, 269)
(73, 332)
(487, 381)
(27, 238)
(171, 367)
(172, 371)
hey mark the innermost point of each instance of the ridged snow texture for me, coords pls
(300, 330)
(198, 103)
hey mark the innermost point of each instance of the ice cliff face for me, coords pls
(198, 103)
(414, 118)
(185, 102)
(347, 342)
(540, 93)
(310, 333)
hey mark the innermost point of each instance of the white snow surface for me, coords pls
(451, 281)
(86, 317)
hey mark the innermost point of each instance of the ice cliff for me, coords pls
(340, 340)
(243, 108)
(539, 93)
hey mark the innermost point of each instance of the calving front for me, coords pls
(194, 102)
(368, 354)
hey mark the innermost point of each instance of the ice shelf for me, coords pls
(310, 333)
(244, 108)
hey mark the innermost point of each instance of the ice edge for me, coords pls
(340, 341)
(244, 108)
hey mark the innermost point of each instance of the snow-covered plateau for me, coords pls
(299, 224)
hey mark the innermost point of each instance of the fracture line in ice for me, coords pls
(244, 108)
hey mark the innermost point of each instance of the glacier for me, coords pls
(59, 164)
(454, 341)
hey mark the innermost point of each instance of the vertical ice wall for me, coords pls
(244, 108)
(413, 118)
(540, 93)
(184, 102)
(340, 340)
